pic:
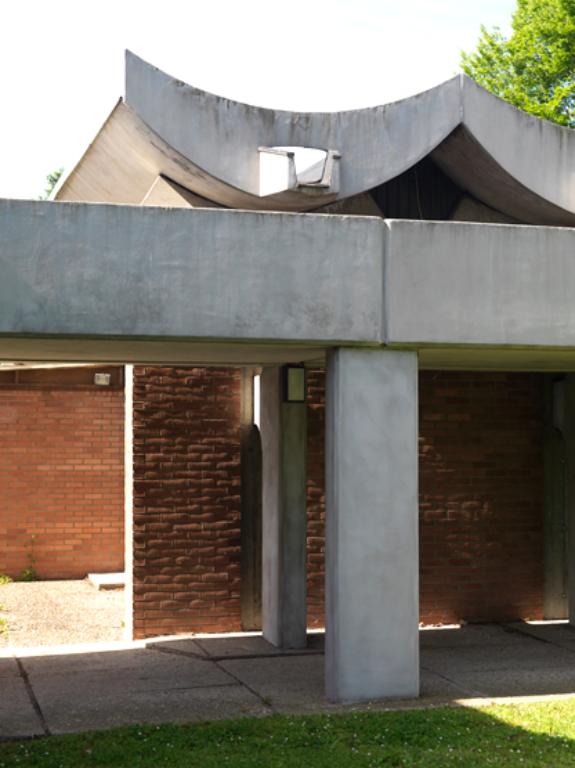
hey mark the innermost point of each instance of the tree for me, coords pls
(51, 181)
(534, 68)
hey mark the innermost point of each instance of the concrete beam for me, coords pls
(372, 605)
(123, 271)
(284, 438)
(479, 285)
(135, 284)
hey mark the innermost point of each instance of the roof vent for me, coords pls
(303, 169)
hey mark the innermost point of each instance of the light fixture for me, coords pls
(102, 379)
(294, 383)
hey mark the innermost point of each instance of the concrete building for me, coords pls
(420, 256)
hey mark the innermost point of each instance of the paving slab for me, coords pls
(437, 688)
(17, 715)
(186, 645)
(526, 682)
(531, 654)
(470, 635)
(287, 683)
(558, 634)
(296, 685)
(89, 710)
(136, 670)
(222, 647)
(101, 689)
(9, 668)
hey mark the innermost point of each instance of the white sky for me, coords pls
(61, 61)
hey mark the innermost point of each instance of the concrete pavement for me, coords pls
(66, 690)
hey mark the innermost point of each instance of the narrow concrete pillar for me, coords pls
(251, 509)
(283, 434)
(555, 602)
(129, 501)
(372, 611)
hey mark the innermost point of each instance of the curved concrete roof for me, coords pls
(516, 163)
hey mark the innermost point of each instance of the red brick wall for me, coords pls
(186, 500)
(481, 496)
(61, 477)
(315, 498)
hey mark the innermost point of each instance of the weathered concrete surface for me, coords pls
(284, 441)
(475, 284)
(154, 351)
(17, 714)
(468, 665)
(222, 136)
(123, 283)
(509, 160)
(203, 274)
(372, 605)
(18, 717)
(133, 686)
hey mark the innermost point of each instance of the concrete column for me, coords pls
(372, 568)
(555, 603)
(251, 509)
(283, 434)
(129, 501)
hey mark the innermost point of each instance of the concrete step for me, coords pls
(107, 580)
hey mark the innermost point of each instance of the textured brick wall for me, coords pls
(61, 480)
(480, 481)
(186, 500)
(187, 504)
(481, 496)
(315, 498)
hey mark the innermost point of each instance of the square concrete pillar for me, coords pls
(284, 437)
(372, 600)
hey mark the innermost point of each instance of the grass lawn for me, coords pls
(521, 735)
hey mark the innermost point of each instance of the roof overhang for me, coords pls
(112, 283)
(516, 163)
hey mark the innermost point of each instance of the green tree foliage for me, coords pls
(534, 68)
(51, 181)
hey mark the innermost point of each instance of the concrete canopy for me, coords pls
(107, 283)
(511, 161)
(377, 298)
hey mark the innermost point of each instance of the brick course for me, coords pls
(61, 475)
(315, 498)
(186, 500)
(481, 496)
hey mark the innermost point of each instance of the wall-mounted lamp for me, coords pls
(102, 379)
(294, 383)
